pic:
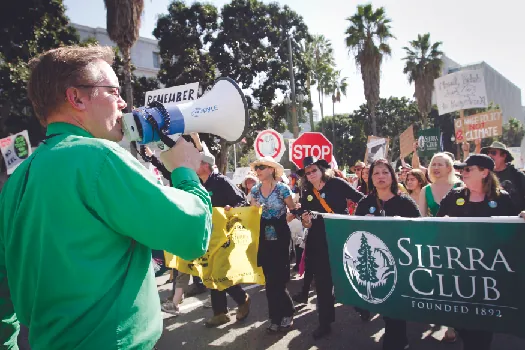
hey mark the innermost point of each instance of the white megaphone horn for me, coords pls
(222, 111)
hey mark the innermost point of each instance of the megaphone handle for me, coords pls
(165, 139)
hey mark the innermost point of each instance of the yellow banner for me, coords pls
(231, 257)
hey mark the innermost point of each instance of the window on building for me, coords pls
(156, 60)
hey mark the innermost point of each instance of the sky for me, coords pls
(471, 31)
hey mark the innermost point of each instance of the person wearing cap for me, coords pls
(357, 168)
(273, 256)
(323, 193)
(481, 196)
(510, 178)
(224, 194)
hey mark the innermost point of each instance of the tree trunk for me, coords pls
(321, 107)
(333, 125)
(373, 120)
(222, 162)
(312, 127)
(424, 116)
(369, 291)
(126, 56)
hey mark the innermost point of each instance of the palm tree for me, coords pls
(318, 56)
(367, 38)
(123, 24)
(338, 86)
(423, 65)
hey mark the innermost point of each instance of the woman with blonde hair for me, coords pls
(442, 178)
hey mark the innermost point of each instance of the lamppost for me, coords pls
(287, 102)
(300, 99)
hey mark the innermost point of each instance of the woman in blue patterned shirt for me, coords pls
(274, 240)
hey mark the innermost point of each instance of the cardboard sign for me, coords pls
(240, 174)
(15, 149)
(461, 90)
(518, 159)
(376, 148)
(479, 126)
(175, 94)
(406, 142)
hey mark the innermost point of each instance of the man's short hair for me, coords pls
(54, 71)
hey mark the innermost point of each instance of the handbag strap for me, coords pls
(323, 202)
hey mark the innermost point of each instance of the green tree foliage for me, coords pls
(30, 27)
(367, 37)
(246, 42)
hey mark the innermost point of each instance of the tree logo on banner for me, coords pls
(369, 267)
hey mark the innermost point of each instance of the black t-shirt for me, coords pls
(457, 204)
(223, 192)
(335, 192)
(513, 181)
(399, 205)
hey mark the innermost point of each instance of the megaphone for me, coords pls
(222, 111)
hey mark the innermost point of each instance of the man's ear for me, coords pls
(75, 98)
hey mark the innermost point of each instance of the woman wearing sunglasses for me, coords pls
(323, 193)
(481, 196)
(384, 200)
(274, 240)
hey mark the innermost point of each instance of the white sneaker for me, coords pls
(207, 303)
(169, 308)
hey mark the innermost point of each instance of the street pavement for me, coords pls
(187, 331)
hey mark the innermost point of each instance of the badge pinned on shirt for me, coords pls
(493, 204)
(460, 201)
(309, 198)
(323, 195)
(372, 210)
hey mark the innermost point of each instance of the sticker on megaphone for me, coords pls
(222, 111)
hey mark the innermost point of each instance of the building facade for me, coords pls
(144, 54)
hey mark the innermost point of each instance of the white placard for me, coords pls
(175, 94)
(240, 174)
(461, 90)
(15, 149)
(376, 149)
(269, 143)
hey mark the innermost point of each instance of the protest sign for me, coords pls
(461, 90)
(231, 257)
(175, 94)
(15, 149)
(376, 148)
(428, 142)
(459, 272)
(406, 142)
(479, 126)
(518, 158)
(240, 174)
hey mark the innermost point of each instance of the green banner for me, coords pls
(464, 273)
(429, 142)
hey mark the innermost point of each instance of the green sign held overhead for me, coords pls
(429, 142)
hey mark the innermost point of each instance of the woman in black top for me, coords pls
(383, 200)
(482, 196)
(319, 186)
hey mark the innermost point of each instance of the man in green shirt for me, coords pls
(79, 217)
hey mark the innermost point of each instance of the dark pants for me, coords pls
(219, 302)
(280, 303)
(475, 340)
(395, 337)
(317, 261)
(172, 292)
(23, 338)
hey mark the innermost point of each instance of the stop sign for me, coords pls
(311, 144)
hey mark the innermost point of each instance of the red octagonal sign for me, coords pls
(311, 144)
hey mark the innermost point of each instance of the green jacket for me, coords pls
(78, 220)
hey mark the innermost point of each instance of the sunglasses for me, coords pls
(494, 152)
(260, 167)
(311, 172)
(357, 169)
(468, 169)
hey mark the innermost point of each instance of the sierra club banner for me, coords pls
(231, 257)
(429, 142)
(463, 273)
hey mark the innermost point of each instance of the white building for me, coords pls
(144, 54)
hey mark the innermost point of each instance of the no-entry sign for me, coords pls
(311, 144)
(269, 143)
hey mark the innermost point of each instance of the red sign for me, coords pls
(311, 144)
